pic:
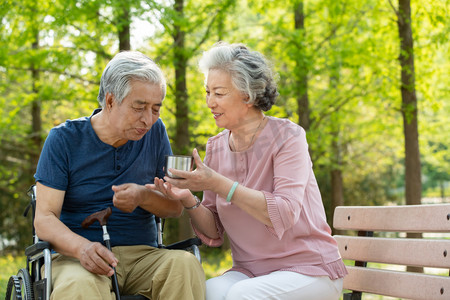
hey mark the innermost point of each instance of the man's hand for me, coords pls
(127, 196)
(97, 259)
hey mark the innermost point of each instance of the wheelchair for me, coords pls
(30, 284)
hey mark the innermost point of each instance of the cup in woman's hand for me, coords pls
(178, 162)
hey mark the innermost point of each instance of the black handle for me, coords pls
(115, 283)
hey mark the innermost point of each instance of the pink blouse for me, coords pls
(279, 165)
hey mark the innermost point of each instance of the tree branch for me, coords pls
(340, 103)
(393, 8)
(55, 72)
(206, 35)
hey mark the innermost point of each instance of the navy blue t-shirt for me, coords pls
(76, 161)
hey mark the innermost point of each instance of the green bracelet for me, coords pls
(231, 192)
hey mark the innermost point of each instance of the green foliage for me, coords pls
(9, 265)
(215, 261)
(348, 51)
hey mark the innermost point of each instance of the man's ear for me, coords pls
(109, 101)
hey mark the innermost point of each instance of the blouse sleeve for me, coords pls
(219, 227)
(209, 201)
(292, 171)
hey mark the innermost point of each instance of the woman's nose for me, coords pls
(210, 101)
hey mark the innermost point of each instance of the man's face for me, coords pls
(139, 110)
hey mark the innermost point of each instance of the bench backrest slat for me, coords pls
(409, 218)
(401, 251)
(398, 284)
(395, 249)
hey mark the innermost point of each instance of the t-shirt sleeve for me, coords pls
(165, 149)
(52, 169)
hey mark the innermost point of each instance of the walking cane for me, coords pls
(102, 217)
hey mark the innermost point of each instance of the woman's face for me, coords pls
(224, 100)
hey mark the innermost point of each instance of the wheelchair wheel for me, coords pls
(19, 286)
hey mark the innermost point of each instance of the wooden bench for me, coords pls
(379, 236)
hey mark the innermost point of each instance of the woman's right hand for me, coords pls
(201, 179)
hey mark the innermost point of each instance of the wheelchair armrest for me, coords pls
(37, 248)
(185, 244)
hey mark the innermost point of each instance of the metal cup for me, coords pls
(179, 162)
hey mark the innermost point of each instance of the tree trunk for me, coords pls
(181, 141)
(302, 71)
(36, 119)
(123, 26)
(220, 27)
(337, 182)
(337, 191)
(413, 183)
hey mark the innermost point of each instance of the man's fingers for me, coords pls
(106, 261)
(100, 266)
(99, 260)
(118, 188)
(107, 256)
(124, 197)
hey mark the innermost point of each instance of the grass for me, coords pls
(9, 265)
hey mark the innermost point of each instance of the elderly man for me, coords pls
(104, 160)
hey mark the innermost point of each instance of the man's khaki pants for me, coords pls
(157, 274)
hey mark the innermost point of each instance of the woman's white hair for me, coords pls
(250, 72)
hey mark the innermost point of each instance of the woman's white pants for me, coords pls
(280, 285)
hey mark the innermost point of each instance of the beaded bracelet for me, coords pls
(231, 192)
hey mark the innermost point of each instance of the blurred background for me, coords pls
(368, 81)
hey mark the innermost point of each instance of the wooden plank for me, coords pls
(405, 218)
(397, 284)
(401, 251)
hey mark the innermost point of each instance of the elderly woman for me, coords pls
(259, 188)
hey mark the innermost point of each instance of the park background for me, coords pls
(368, 81)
